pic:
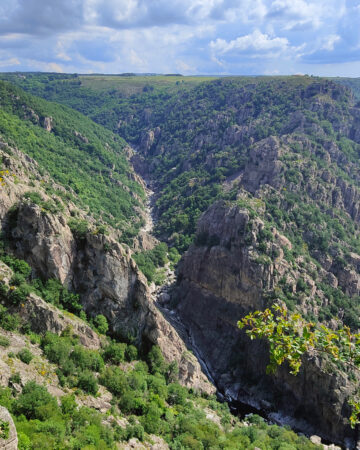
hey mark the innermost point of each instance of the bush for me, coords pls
(101, 324)
(4, 430)
(56, 349)
(35, 402)
(25, 355)
(131, 353)
(79, 228)
(17, 265)
(176, 394)
(114, 379)
(9, 322)
(87, 382)
(115, 352)
(4, 341)
(3, 289)
(19, 295)
(135, 431)
(86, 359)
(156, 360)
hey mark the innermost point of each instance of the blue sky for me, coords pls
(319, 37)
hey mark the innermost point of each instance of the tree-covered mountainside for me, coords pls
(77, 153)
(67, 378)
(211, 140)
(258, 178)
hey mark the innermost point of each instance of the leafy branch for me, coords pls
(290, 337)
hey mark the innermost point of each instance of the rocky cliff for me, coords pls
(92, 264)
(222, 278)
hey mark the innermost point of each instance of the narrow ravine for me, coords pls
(161, 296)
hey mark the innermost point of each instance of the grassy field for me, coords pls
(135, 84)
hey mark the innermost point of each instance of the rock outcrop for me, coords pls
(7, 423)
(42, 317)
(222, 279)
(95, 266)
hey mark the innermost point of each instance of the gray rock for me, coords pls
(11, 443)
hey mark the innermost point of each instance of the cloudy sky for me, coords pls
(320, 37)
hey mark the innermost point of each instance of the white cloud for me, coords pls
(330, 41)
(255, 42)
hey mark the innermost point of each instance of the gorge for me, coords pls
(256, 197)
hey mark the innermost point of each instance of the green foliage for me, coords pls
(9, 322)
(149, 260)
(52, 291)
(41, 423)
(114, 352)
(101, 324)
(87, 382)
(4, 341)
(19, 266)
(51, 206)
(25, 355)
(19, 295)
(35, 402)
(290, 337)
(156, 360)
(77, 153)
(79, 228)
(75, 363)
(4, 429)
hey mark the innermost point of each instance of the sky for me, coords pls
(243, 37)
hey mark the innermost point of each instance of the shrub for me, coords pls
(132, 402)
(135, 431)
(25, 355)
(56, 349)
(86, 359)
(79, 228)
(4, 341)
(101, 324)
(9, 322)
(15, 378)
(19, 295)
(115, 352)
(17, 265)
(176, 394)
(114, 379)
(34, 401)
(87, 382)
(4, 429)
(131, 353)
(156, 360)
(3, 289)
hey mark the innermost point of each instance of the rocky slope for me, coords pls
(282, 154)
(93, 264)
(222, 282)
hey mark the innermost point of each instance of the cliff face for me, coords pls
(94, 265)
(222, 278)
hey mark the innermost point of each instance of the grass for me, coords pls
(133, 85)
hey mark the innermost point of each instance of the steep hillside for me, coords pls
(260, 177)
(66, 384)
(78, 154)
